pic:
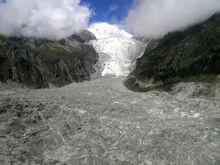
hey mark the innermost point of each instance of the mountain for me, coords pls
(104, 30)
(189, 55)
(41, 62)
(117, 49)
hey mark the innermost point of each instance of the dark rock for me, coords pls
(189, 55)
(40, 62)
(84, 36)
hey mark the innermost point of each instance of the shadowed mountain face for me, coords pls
(40, 62)
(190, 55)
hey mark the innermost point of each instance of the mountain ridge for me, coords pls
(41, 62)
(189, 55)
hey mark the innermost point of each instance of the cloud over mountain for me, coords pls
(48, 18)
(153, 18)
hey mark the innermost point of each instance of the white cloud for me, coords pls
(105, 30)
(43, 18)
(153, 18)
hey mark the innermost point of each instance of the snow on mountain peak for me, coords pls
(104, 30)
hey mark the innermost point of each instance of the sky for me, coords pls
(112, 11)
(56, 19)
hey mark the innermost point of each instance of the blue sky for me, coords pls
(111, 11)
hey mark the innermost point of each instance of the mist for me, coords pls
(155, 18)
(53, 19)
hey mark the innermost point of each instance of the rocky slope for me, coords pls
(100, 122)
(41, 62)
(189, 55)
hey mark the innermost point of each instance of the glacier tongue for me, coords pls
(118, 54)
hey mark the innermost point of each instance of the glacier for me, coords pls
(117, 55)
(117, 49)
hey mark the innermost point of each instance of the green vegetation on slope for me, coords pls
(190, 55)
(40, 62)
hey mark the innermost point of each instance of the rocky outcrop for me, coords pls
(41, 62)
(83, 37)
(189, 55)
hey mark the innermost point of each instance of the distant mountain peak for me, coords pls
(105, 30)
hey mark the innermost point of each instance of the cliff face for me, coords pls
(189, 55)
(40, 62)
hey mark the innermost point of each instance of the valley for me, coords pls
(101, 122)
(114, 100)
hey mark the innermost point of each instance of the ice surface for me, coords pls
(118, 54)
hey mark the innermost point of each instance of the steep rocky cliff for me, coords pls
(41, 62)
(189, 55)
